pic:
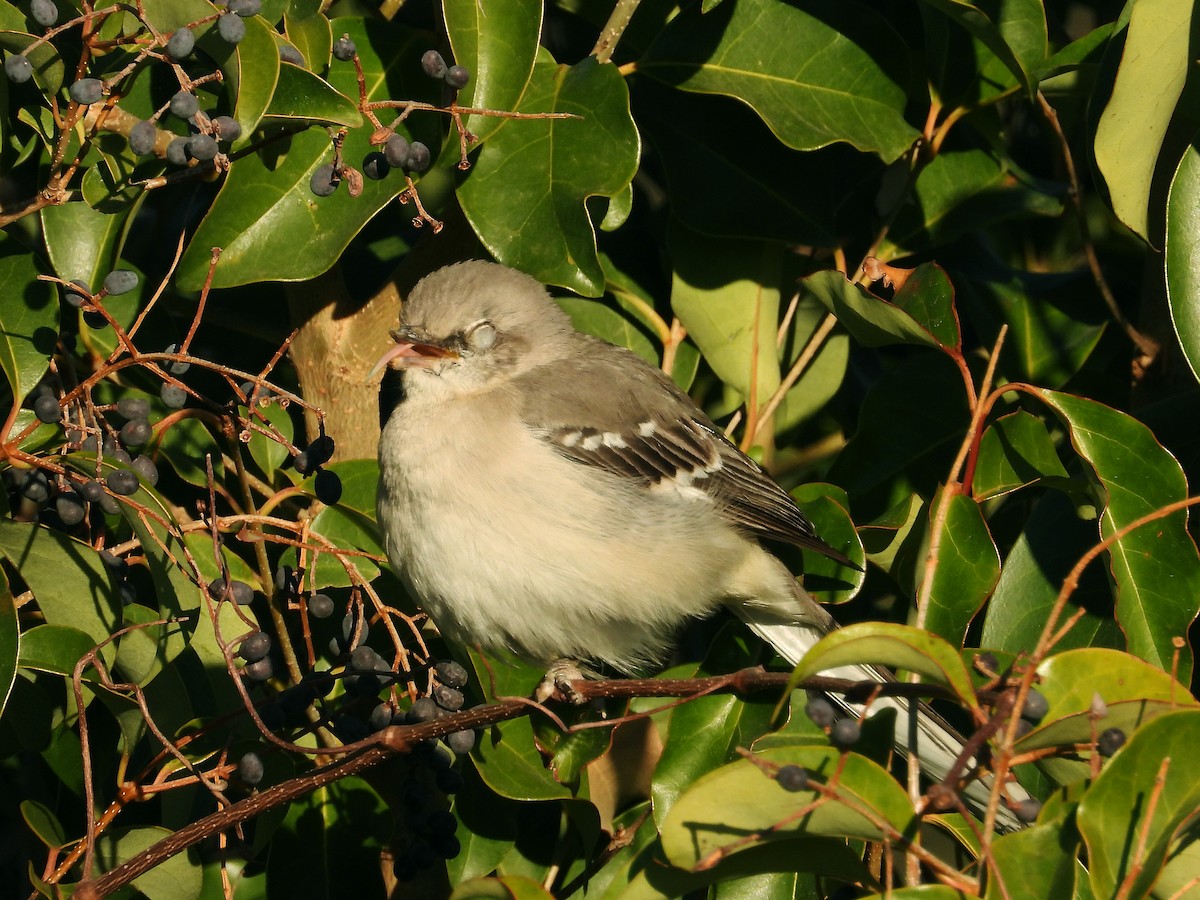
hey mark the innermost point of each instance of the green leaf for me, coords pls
(898, 646)
(828, 580)
(726, 294)
(1015, 451)
(831, 71)
(1150, 79)
(43, 823)
(28, 319)
(497, 41)
(924, 892)
(506, 755)
(891, 539)
(67, 578)
(961, 192)
(526, 195)
(1132, 690)
(1156, 568)
(57, 649)
(251, 71)
(705, 733)
(928, 297)
(1032, 864)
(919, 413)
(1013, 30)
(740, 799)
(265, 207)
(301, 96)
(185, 444)
(176, 878)
(1180, 252)
(871, 321)
(968, 567)
(48, 69)
(1120, 824)
(595, 318)
(311, 35)
(267, 452)
(82, 242)
(10, 641)
(1054, 537)
(1054, 323)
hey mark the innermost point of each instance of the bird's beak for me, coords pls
(411, 351)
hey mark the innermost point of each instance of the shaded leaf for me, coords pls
(1015, 451)
(28, 319)
(871, 321)
(1015, 31)
(815, 74)
(67, 578)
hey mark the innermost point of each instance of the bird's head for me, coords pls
(471, 325)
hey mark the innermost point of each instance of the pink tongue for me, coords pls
(394, 352)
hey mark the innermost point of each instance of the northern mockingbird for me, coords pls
(544, 492)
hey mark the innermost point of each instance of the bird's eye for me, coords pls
(482, 336)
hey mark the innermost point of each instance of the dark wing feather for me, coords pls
(641, 426)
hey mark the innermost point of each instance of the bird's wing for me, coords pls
(641, 426)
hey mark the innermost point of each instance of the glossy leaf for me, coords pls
(176, 878)
(1180, 252)
(815, 74)
(497, 41)
(1119, 804)
(28, 319)
(57, 649)
(300, 96)
(1150, 79)
(266, 208)
(1156, 568)
(1015, 451)
(898, 646)
(928, 297)
(82, 242)
(726, 294)
(41, 820)
(67, 578)
(48, 69)
(1054, 536)
(739, 799)
(538, 222)
(968, 566)
(311, 35)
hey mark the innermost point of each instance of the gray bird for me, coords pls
(544, 492)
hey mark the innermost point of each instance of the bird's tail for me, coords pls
(937, 745)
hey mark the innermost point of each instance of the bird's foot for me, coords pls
(559, 676)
